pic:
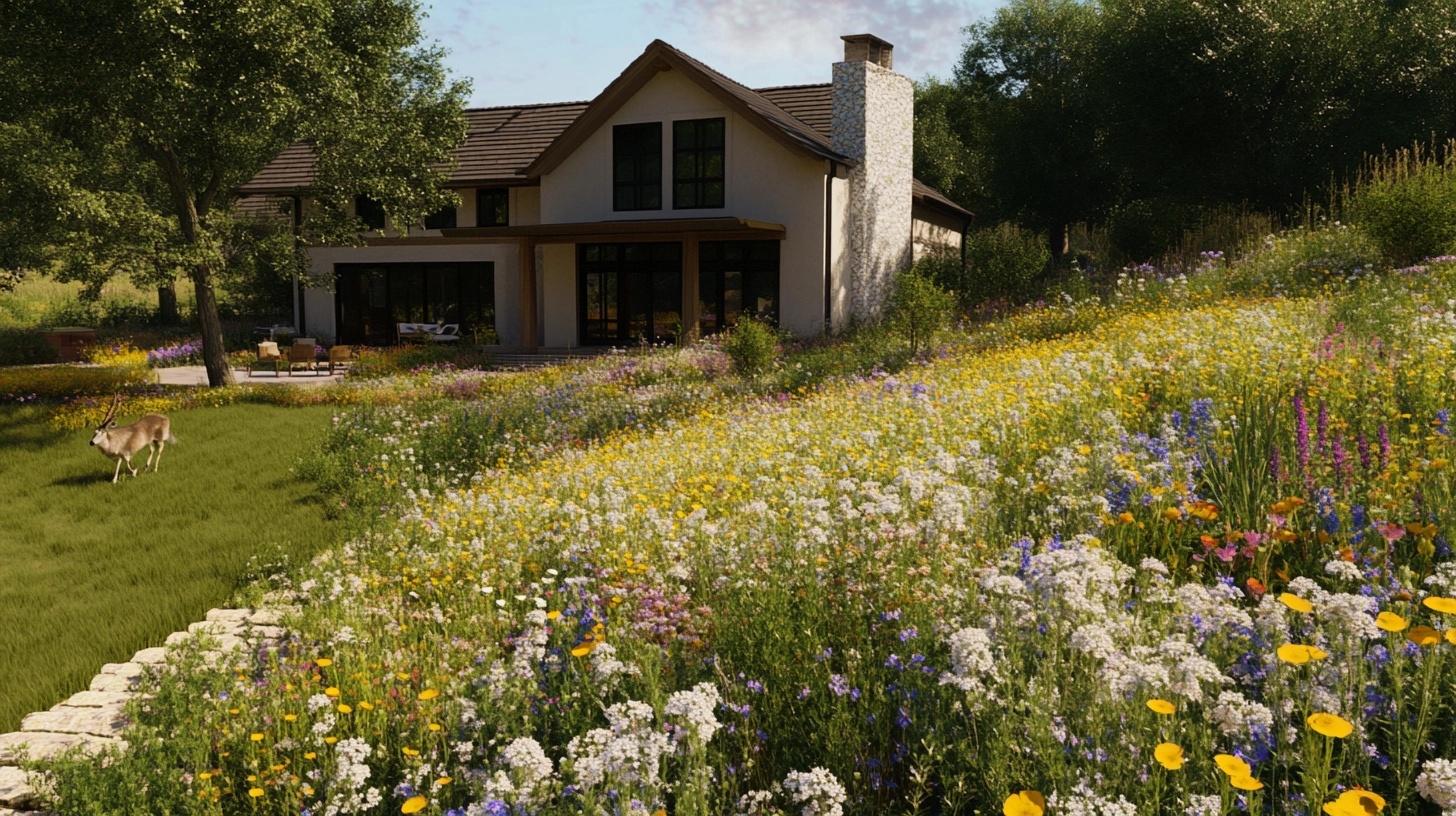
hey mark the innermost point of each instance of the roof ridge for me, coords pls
(528, 105)
(790, 87)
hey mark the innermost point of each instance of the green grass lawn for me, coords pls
(91, 571)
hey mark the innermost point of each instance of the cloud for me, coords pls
(737, 36)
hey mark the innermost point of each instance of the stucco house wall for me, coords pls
(763, 181)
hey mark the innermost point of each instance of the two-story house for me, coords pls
(670, 204)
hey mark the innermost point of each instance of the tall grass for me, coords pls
(91, 571)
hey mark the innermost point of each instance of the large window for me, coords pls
(629, 293)
(492, 207)
(637, 166)
(736, 278)
(372, 298)
(697, 164)
(444, 218)
(370, 211)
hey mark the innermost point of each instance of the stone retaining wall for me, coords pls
(95, 719)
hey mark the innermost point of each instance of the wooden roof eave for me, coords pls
(590, 231)
(654, 60)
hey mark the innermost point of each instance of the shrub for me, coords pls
(23, 347)
(1300, 258)
(918, 309)
(752, 345)
(1003, 262)
(1406, 203)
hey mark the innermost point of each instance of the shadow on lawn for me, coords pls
(20, 429)
(80, 480)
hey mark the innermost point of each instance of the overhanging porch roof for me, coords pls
(664, 229)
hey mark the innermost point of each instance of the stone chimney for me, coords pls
(874, 124)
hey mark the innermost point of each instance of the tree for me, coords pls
(162, 109)
(1029, 77)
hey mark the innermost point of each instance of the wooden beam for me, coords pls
(527, 262)
(690, 286)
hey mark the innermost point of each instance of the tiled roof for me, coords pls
(502, 142)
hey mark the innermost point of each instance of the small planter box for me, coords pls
(68, 341)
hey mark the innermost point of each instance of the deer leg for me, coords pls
(117, 474)
(160, 445)
(130, 468)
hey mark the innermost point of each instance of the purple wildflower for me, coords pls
(1301, 437)
(1384, 447)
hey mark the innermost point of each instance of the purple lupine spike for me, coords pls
(1362, 446)
(1301, 437)
(1276, 467)
(1322, 429)
(1341, 460)
(1384, 447)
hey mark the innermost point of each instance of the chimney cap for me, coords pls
(868, 48)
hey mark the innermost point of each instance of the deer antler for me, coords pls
(111, 411)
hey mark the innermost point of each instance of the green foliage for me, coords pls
(1406, 203)
(1304, 259)
(753, 346)
(1003, 261)
(134, 162)
(123, 565)
(23, 347)
(917, 309)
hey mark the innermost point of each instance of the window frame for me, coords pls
(443, 218)
(370, 210)
(645, 158)
(503, 194)
(699, 183)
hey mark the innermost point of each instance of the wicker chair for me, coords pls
(268, 355)
(304, 353)
(340, 357)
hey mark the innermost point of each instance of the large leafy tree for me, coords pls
(133, 124)
(1028, 78)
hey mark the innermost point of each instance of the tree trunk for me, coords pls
(214, 354)
(167, 305)
(1057, 242)
(190, 211)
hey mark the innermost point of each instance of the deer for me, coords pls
(152, 431)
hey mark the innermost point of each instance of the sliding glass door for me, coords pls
(370, 299)
(629, 293)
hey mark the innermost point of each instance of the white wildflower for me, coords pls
(817, 790)
(1343, 570)
(695, 708)
(1437, 784)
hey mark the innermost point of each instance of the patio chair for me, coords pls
(268, 355)
(445, 333)
(303, 353)
(341, 357)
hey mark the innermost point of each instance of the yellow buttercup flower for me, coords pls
(1025, 803)
(1232, 765)
(1296, 603)
(323, 662)
(1299, 654)
(255, 737)
(1169, 755)
(255, 792)
(332, 691)
(1391, 622)
(1162, 706)
(1330, 725)
(414, 804)
(1247, 783)
(429, 694)
(1446, 606)
(1423, 636)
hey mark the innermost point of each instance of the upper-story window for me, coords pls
(697, 164)
(492, 207)
(370, 211)
(637, 166)
(443, 218)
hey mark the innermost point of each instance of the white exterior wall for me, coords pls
(763, 181)
(933, 230)
(319, 317)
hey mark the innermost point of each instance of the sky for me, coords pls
(528, 51)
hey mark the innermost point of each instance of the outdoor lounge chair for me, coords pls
(268, 355)
(303, 353)
(445, 333)
(340, 357)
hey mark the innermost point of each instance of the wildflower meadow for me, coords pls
(1183, 549)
